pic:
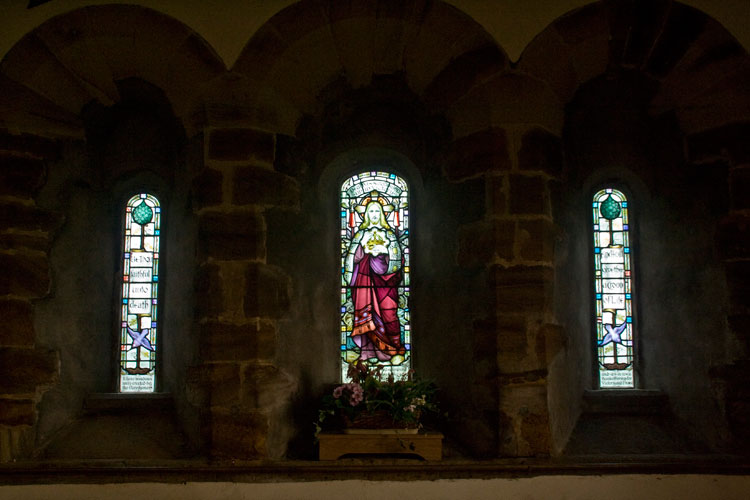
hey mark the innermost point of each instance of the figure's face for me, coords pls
(373, 214)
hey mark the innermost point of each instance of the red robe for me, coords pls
(376, 329)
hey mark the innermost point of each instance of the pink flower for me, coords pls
(357, 394)
(338, 391)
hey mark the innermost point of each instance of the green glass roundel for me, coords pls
(610, 209)
(142, 214)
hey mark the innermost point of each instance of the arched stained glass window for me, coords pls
(613, 283)
(375, 268)
(140, 286)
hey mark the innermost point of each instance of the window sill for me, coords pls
(113, 401)
(625, 402)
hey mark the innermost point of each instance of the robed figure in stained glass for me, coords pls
(373, 270)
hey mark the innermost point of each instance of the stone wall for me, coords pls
(501, 158)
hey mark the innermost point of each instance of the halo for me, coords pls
(374, 196)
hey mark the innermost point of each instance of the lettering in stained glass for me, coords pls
(140, 299)
(375, 269)
(613, 290)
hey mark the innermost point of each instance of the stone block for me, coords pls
(548, 58)
(228, 342)
(521, 288)
(266, 387)
(260, 186)
(739, 187)
(223, 381)
(550, 340)
(682, 27)
(268, 291)
(462, 74)
(289, 156)
(739, 324)
(512, 341)
(209, 289)
(232, 236)
(28, 218)
(29, 145)
(524, 417)
(518, 346)
(240, 144)
(483, 241)
(733, 236)
(536, 240)
(582, 24)
(726, 102)
(207, 189)
(541, 151)
(477, 154)
(25, 274)
(738, 282)
(239, 435)
(263, 49)
(20, 177)
(536, 432)
(647, 22)
(18, 323)
(23, 370)
(29, 241)
(726, 141)
(507, 99)
(485, 348)
(214, 384)
(497, 198)
(528, 195)
(17, 411)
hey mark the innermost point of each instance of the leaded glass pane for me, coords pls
(140, 277)
(613, 290)
(375, 268)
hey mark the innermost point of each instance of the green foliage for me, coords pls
(404, 401)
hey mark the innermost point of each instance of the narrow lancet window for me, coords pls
(140, 286)
(375, 268)
(613, 283)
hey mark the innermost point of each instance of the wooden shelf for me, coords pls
(428, 445)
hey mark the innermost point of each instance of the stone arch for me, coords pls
(78, 57)
(309, 45)
(109, 76)
(652, 78)
(677, 46)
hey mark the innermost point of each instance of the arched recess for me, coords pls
(93, 105)
(654, 92)
(420, 79)
(304, 48)
(78, 57)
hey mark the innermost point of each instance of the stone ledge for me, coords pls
(625, 402)
(116, 401)
(390, 469)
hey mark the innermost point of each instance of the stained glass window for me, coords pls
(140, 287)
(613, 283)
(375, 268)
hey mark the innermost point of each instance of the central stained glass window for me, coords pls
(375, 268)
(140, 287)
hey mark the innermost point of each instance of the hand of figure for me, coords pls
(378, 249)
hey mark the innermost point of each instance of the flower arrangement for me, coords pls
(368, 401)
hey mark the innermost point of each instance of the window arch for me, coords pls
(613, 284)
(375, 273)
(138, 320)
